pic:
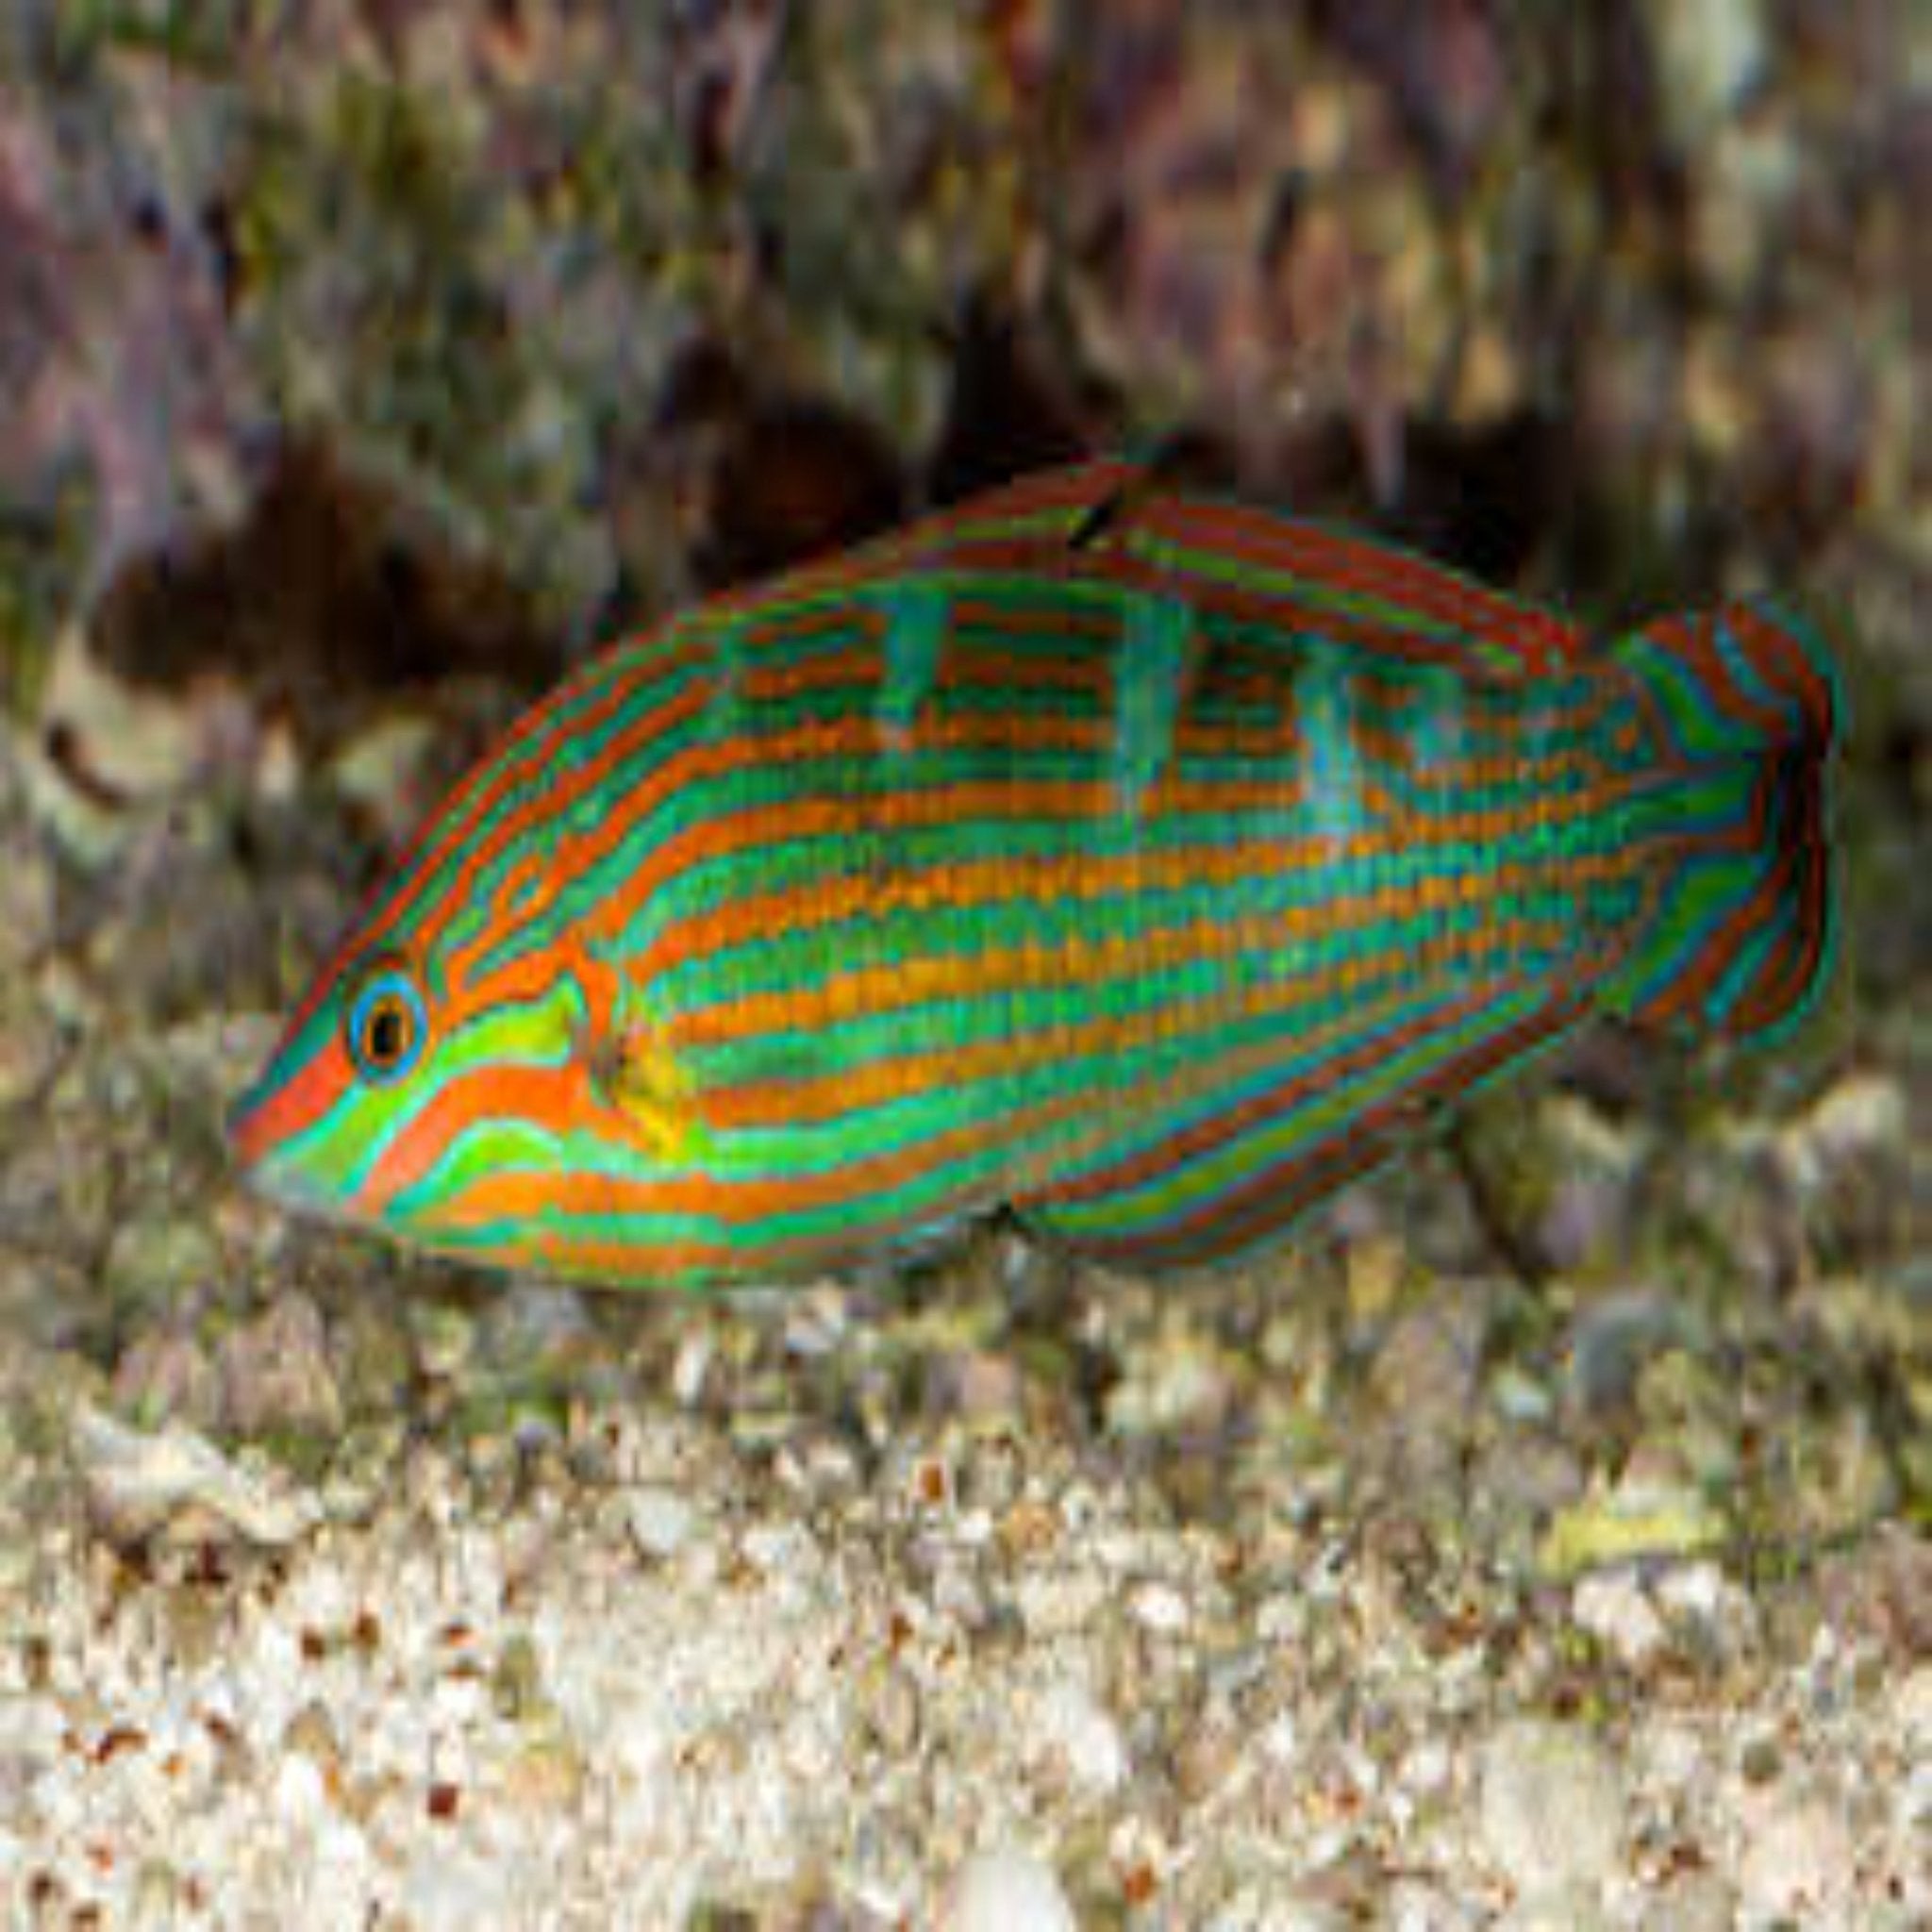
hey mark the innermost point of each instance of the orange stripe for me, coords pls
(978, 881)
(815, 818)
(1395, 747)
(832, 901)
(308, 1097)
(1328, 558)
(456, 892)
(1168, 1152)
(878, 1083)
(1076, 620)
(1783, 665)
(513, 1195)
(557, 1098)
(449, 828)
(1226, 1223)
(1078, 800)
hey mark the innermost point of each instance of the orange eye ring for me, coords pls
(387, 1025)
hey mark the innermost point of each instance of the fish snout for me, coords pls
(260, 1149)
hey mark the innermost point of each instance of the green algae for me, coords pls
(1630, 1522)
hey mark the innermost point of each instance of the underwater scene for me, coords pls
(965, 965)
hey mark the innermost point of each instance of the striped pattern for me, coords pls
(1148, 864)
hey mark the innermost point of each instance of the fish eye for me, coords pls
(387, 1025)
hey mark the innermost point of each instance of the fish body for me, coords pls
(1141, 863)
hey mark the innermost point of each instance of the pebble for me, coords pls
(1005, 1888)
(160, 1261)
(1569, 1909)
(1698, 1902)
(1424, 1381)
(177, 1487)
(1594, 1166)
(29, 1046)
(1850, 1124)
(1914, 1705)
(1079, 1733)
(1614, 1334)
(1057, 1601)
(166, 1374)
(533, 1323)
(1699, 1596)
(446, 1893)
(26, 905)
(275, 1373)
(1186, 1385)
(1427, 1768)
(1796, 1853)
(1260, 1909)
(1614, 1609)
(893, 1711)
(1552, 1807)
(662, 1523)
(1161, 1609)
(298, 1789)
(986, 1385)
(1707, 57)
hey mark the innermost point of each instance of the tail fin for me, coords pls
(1745, 705)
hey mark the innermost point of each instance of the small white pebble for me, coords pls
(1855, 1119)
(1796, 1854)
(780, 1549)
(1614, 1609)
(1426, 1769)
(1552, 1807)
(660, 1523)
(1053, 1603)
(1677, 1755)
(1281, 1742)
(450, 1893)
(1574, 1909)
(1259, 1909)
(299, 1792)
(1007, 1889)
(688, 1373)
(1075, 1727)
(1913, 1704)
(1913, 1804)
(972, 1529)
(1699, 1590)
(1161, 1609)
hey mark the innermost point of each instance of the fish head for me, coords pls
(442, 1111)
(483, 1069)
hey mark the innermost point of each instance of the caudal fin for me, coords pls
(1745, 706)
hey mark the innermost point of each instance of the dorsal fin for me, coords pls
(1129, 522)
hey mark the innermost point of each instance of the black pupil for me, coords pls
(389, 1034)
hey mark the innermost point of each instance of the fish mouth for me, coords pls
(250, 1129)
(283, 1182)
(264, 1168)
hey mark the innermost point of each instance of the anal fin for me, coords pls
(1229, 1156)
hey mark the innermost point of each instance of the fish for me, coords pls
(1133, 862)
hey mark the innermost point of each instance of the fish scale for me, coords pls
(1142, 864)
